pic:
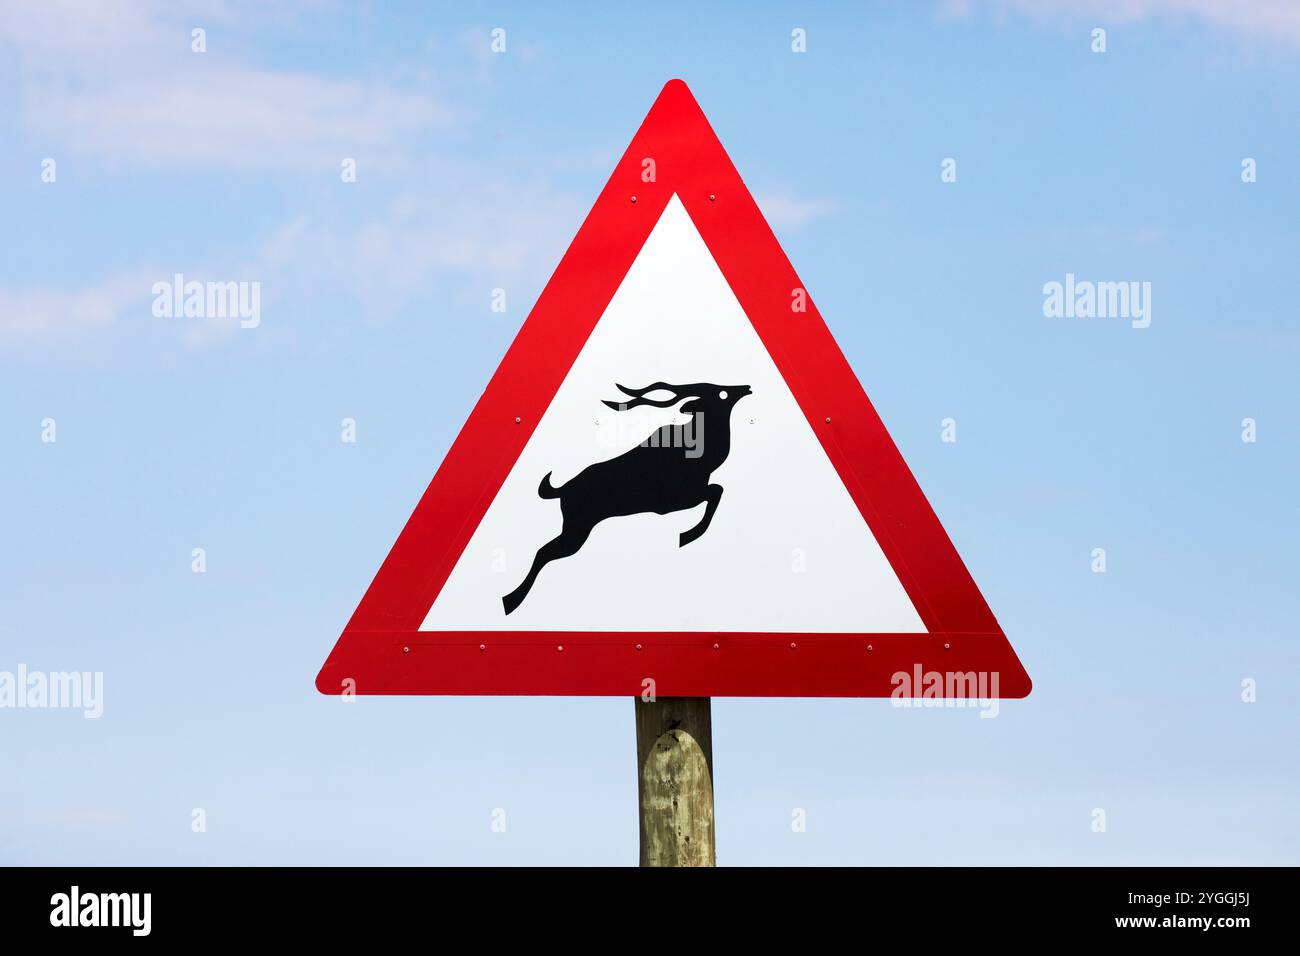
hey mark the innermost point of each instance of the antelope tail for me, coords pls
(546, 489)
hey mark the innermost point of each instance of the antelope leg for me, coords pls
(570, 539)
(712, 495)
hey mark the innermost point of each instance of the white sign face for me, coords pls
(785, 548)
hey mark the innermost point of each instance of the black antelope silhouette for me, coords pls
(669, 471)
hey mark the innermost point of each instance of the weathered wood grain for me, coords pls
(674, 749)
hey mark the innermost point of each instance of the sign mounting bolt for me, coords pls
(634, 200)
(406, 650)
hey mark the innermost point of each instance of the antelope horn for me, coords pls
(639, 399)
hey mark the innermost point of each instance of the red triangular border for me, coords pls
(382, 650)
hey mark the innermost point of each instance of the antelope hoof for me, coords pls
(686, 537)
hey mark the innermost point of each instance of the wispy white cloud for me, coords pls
(478, 42)
(499, 233)
(786, 212)
(53, 318)
(233, 117)
(55, 315)
(119, 80)
(456, 230)
(1277, 20)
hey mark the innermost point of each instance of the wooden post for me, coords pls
(674, 760)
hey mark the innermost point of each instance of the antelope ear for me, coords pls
(617, 406)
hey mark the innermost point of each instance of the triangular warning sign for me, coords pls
(674, 476)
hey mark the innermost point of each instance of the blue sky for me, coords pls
(473, 172)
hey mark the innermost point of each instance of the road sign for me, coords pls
(674, 476)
